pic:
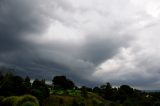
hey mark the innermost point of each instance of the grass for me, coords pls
(56, 100)
(73, 98)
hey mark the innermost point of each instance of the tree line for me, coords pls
(13, 85)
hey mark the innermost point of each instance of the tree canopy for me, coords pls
(62, 82)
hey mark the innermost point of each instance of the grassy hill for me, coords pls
(74, 98)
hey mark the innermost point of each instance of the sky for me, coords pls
(89, 41)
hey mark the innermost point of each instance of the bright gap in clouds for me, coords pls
(57, 32)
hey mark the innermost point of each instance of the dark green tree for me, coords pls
(96, 90)
(1, 76)
(107, 92)
(12, 85)
(27, 82)
(84, 91)
(37, 84)
(40, 89)
(125, 92)
(62, 82)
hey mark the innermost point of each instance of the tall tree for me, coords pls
(27, 82)
(62, 82)
(125, 92)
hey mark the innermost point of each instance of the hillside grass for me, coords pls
(73, 98)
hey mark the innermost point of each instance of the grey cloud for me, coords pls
(98, 49)
(19, 19)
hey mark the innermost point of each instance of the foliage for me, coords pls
(70, 92)
(62, 82)
(84, 92)
(12, 85)
(78, 100)
(66, 93)
(124, 92)
(9, 101)
(20, 101)
(157, 103)
(28, 103)
(40, 89)
(97, 102)
(1, 98)
(27, 82)
(27, 99)
(75, 102)
(37, 93)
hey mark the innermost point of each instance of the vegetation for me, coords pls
(12, 86)
(62, 82)
(66, 100)
(26, 100)
(18, 91)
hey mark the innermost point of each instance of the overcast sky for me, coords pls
(90, 41)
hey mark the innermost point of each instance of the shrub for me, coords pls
(28, 103)
(97, 102)
(81, 104)
(27, 99)
(75, 103)
(1, 98)
(37, 93)
(9, 101)
(84, 92)
(94, 102)
(61, 101)
(157, 103)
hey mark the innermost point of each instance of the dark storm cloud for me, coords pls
(98, 49)
(17, 18)
(42, 39)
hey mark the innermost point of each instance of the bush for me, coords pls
(9, 101)
(96, 102)
(81, 104)
(28, 103)
(115, 104)
(37, 93)
(84, 92)
(27, 99)
(157, 103)
(74, 103)
(1, 98)
(61, 101)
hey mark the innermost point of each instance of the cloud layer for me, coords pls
(90, 41)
